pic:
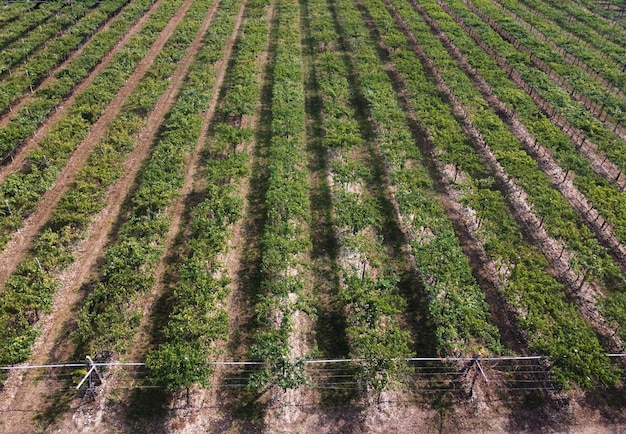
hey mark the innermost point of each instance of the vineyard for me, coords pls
(312, 215)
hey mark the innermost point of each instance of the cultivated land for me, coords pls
(313, 215)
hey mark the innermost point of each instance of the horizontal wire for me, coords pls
(305, 362)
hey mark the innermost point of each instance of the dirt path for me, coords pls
(100, 416)
(598, 160)
(572, 60)
(18, 159)
(560, 179)
(22, 100)
(52, 344)
(20, 243)
(590, 150)
(583, 293)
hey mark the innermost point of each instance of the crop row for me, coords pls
(456, 305)
(601, 11)
(608, 40)
(591, 260)
(14, 30)
(576, 75)
(111, 315)
(198, 317)
(573, 12)
(53, 250)
(369, 292)
(32, 43)
(583, 83)
(40, 64)
(557, 216)
(12, 12)
(605, 196)
(546, 133)
(546, 111)
(22, 190)
(551, 324)
(580, 81)
(27, 120)
(285, 242)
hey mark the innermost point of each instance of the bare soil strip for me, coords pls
(52, 344)
(560, 179)
(9, 40)
(543, 66)
(21, 241)
(582, 292)
(23, 99)
(599, 162)
(465, 225)
(99, 416)
(17, 161)
(574, 61)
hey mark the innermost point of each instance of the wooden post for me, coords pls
(480, 368)
(95, 368)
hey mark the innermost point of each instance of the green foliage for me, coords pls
(106, 317)
(198, 318)
(456, 304)
(27, 186)
(178, 365)
(552, 324)
(605, 196)
(41, 60)
(285, 242)
(128, 271)
(35, 36)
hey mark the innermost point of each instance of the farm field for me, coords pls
(312, 215)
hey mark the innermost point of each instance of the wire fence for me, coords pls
(460, 376)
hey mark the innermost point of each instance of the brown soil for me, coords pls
(572, 60)
(23, 99)
(584, 294)
(111, 416)
(598, 160)
(17, 160)
(20, 243)
(52, 345)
